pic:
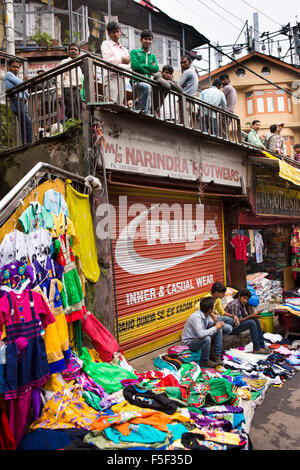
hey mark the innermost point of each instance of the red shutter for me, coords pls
(158, 280)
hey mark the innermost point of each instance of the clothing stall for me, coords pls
(45, 259)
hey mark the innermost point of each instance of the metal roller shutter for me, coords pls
(168, 251)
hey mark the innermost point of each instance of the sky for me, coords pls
(221, 22)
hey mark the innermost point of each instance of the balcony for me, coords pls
(41, 104)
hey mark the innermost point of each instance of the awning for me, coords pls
(286, 171)
(249, 220)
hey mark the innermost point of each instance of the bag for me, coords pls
(103, 341)
(254, 299)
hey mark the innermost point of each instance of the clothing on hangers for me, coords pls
(240, 243)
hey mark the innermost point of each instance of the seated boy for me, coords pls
(166, 82)
(200, 329)
(217, 292)
(237, 307)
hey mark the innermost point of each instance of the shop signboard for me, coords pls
(172, 156)
(274, 200)
(168, 251)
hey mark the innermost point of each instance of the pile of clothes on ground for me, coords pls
(177, 405)
(267, 290)
(288, 311)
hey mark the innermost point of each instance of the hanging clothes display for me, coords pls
(240, 243)
(259, 245)
(295, 249)
(41, 296)
(80, 214)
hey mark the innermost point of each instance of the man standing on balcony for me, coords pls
(70, 85)
(18, 103)
(189, 78)
(113, 52)
(229, 92)
(215, 97)
(145, 63)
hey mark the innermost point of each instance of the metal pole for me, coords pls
(70, 8)
(183, 42)
(24, 22)
(109, 9)
(209, 66)
(10, 27)
(150, 21)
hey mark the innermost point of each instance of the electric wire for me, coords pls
(255, 8)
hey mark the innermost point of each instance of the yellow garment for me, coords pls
(60, 227)
(66, 409)
(286, 171)
(80, 214)
(218, 307)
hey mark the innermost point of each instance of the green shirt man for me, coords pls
(144, 63)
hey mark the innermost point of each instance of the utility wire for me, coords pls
(197, 13)
(255, 73)
(255, 8)
(218, 15)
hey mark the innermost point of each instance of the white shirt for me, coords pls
(76, 77)
(113, 52)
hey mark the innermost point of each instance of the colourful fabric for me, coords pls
(66, 409)
(80, 214)
(75, 308)
(107, 375)
(54, 202)
(24, 315)
(17, 276)
(34, 217)
(240, 243)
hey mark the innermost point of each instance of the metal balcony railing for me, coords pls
(46, 105)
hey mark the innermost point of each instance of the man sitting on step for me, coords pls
(200, 329)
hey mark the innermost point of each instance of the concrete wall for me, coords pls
(64, 151)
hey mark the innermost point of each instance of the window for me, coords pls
(173, 55)
(250, 109)
(268, 101)
(270, 104)
(167, 50)
(240, 72)
(260, 103)
(266, 70)
(35, 22)
(80, 25)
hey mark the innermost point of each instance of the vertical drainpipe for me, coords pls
(9, 26)
(109, 9)
(209, 65)
(70, 7)
(183, 43)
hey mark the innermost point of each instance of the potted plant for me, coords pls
(42, 39)
(75, 37)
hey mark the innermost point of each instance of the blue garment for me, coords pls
(142, 92)
(204, 345)
(138, 433)
(12, 80)
(214, 97)
(257, 336)
(54, 202)
(177, 429)
(19, 108)
(44, 439)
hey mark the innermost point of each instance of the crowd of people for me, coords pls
(147, 98)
